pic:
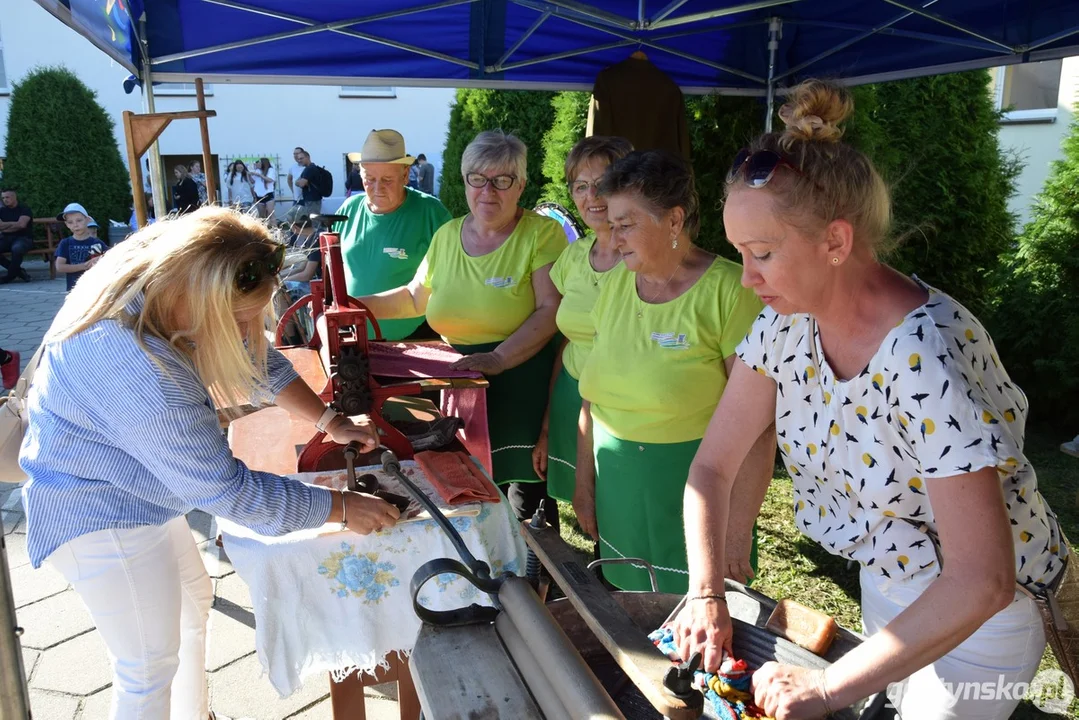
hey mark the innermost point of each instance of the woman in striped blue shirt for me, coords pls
(124, 440)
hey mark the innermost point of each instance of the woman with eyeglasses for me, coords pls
(902, 432)
(485, 287)
(124, 440)
(667, 321)
(578, 275)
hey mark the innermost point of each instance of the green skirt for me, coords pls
(516, 401)
(639, 488)
(562, 437)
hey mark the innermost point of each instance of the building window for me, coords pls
(1027, 92)
(367, 91)
(183, 89)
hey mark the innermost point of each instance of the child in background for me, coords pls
(78, 253)
(91, 225)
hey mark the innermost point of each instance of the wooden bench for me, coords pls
(54, 231)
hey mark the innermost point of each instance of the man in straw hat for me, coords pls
(389, 228)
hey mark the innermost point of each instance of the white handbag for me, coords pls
(14, 419)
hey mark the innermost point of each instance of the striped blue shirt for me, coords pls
(115, 442)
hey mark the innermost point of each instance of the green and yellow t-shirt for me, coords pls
(477, 300)
(658, 378)
(579, 285)
(382, 251)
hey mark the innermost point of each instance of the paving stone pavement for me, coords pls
(67, 667)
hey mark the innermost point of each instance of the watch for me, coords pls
(327, 417)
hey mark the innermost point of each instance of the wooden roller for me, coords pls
(569, 676)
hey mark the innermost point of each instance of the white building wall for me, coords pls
(1038, 143)
(251, 119)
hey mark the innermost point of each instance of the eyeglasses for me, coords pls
(580, 187)
(758, 168)
(500, 182)
(251, 275)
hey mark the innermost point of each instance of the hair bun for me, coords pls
(814, 110)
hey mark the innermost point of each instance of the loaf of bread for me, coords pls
(803, 626)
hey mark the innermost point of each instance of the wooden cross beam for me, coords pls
(141, 130)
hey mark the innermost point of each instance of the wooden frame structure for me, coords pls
(142, 130)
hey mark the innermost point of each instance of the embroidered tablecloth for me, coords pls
(338, 602)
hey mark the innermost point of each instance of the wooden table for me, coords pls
(270, 440)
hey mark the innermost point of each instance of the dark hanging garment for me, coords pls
(636, 100)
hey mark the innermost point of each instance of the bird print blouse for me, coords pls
(933, 402)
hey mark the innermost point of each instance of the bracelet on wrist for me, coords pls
(717, 597)
(823, 684)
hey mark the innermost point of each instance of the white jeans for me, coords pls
(149, 595)
(975, 681)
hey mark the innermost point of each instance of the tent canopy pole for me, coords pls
(775, 31)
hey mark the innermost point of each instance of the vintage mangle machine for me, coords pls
(519, 658)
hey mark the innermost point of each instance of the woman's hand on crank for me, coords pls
(365, 514)
(788, 692)
(488, 363)
(704, 625)
(343, 430)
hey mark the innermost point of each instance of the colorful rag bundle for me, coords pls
(728, 691)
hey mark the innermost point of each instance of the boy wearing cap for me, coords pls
(78, 253)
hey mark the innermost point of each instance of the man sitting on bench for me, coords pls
(16, 235)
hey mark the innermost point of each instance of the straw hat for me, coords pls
(382, 146)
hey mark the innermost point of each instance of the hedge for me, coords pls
(61, 148)
(1035, 322)
(524, 113)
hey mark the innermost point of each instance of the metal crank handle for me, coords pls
(391, 466)
(351, 452)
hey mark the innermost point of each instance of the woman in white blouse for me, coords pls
(902, 433)
(241, 192)
(263, 180)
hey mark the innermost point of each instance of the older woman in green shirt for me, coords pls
(667, 322)
(485, 287)
(578, 275)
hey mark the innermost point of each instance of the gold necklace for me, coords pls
(640, 303)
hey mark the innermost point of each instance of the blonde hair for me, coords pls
(185, 268)
(835, 180)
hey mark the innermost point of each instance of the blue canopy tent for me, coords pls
(734, 46)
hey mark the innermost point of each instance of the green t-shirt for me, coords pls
(476, 300)
(658, 378)
(579, 285)
(382, 252)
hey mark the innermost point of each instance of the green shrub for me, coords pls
(525, 113)
(61, 148)
(567, 128)
(1035, 323)
(939, 149)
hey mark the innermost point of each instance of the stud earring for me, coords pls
(835, 261)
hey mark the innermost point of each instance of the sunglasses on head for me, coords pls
(758, 168)
(253, 272)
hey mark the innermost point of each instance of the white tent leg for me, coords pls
(775, 31)
(156, 171)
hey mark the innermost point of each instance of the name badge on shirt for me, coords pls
(396, 253)
(671, 341)
(501, 282)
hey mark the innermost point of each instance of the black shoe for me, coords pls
(25, 276)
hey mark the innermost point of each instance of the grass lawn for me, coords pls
(793, 566)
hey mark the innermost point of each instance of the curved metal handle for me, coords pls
(640, 562)
(473, 614)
